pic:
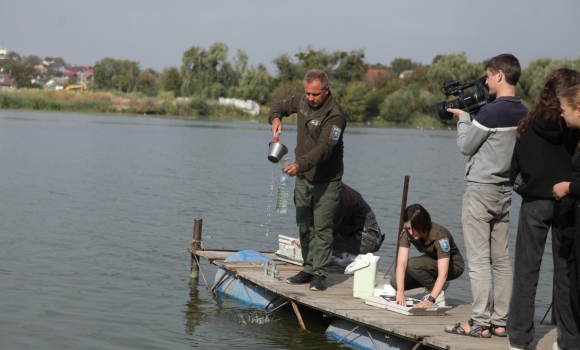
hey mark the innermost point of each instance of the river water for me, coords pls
(97, 212)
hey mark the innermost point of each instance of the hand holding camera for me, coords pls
(470, 102)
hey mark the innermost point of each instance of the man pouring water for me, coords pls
(318, 169)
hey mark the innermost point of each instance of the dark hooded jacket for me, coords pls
(542, 158)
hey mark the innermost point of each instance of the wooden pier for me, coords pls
(337, 301)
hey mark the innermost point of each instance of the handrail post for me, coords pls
(196, 245)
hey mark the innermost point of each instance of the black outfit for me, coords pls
(541, 159)
(574, 263)
(355, 228)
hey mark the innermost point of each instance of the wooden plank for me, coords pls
(338, 301)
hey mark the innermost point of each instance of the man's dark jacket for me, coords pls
(319, 146)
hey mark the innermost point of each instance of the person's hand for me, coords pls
(276, 127)
(297, 242)
(424, 303)
(560, 190)
(456, 112)
(400, 300)
(292, 169)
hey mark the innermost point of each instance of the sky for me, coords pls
(157, 33)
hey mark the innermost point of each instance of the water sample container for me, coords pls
(283, 189)
(365, 275)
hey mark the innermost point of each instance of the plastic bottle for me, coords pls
(283, 189)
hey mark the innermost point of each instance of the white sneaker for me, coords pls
(346, 259)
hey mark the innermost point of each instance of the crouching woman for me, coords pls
(440, 262)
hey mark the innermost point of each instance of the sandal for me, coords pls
(493, 330)
(474, 330)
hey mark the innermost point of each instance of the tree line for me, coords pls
(402, 91)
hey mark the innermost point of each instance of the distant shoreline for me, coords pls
(165, 106)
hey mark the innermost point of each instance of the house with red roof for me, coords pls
(375, 76)
(5, 81)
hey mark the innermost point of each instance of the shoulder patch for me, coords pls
(444, 243)
(335, 133)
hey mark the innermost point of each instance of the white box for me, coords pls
(409, 310)
(288, 251)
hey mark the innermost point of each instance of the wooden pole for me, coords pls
(196, 244)
(297, 312)
(401, 223)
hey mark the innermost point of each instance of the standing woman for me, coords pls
(441, 261)
(570, 104)
(542, 157)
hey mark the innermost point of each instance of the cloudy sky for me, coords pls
(156, 33)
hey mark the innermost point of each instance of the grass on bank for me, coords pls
(165, 105)
(109, 102)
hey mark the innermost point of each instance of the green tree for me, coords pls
(533, 76)
(255, 85)
(354, 103)
(351, 66)
(286, 90)
(12, 55)
(399, 65)
(287, 70)
(398, 106)
(103, 73)
(126, 74)
(20, 72)
(453, 67)
(147, 82)
(171, 80)
(32, 60)
(207, 73)
(55, 59)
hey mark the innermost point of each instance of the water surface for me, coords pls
(97, 212)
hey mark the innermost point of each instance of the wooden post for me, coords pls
(297, 312)
(195, 244)
(401, 223)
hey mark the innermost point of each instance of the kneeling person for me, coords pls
(355, 228)
(441, 261)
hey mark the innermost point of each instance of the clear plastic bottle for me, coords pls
(283, 189)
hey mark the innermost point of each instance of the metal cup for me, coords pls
(277, 151)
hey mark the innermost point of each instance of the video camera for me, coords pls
(470, 102)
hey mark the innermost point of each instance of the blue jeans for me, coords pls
(485, 218)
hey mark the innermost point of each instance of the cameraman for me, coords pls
(489, 142)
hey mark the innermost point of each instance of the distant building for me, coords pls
(405, 74)
(248, 105)
(375, 76)
(69, 74)
(53, 66)
(5, 81)
(3, 53)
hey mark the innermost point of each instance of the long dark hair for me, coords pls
(547, 101)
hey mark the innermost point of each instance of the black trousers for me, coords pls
(536, 218)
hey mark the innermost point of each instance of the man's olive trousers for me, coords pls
(315, 207)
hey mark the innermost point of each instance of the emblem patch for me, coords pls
(314, 122)
(444, 243)
(335, 134)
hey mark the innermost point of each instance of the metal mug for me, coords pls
(277, 151)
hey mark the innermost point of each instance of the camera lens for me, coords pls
(442, 111)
